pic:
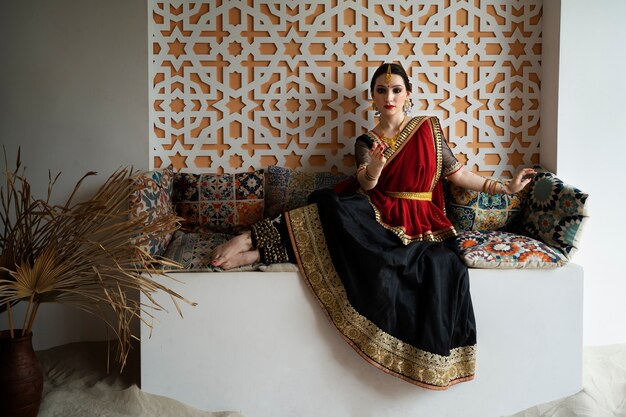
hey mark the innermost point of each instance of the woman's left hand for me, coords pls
(520, 180)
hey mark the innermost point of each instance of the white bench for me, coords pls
(259, 343)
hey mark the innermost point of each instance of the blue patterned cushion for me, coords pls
(496, 249)
(219, 202)
(474, 211)
(193, 251)
(554, 213)
(151, 193)
(288, 189)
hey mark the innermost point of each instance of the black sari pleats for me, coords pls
(405, 308)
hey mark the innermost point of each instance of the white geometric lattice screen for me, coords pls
(238, 85)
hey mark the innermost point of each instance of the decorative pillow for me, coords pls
(193, 251)
(288, 189)
(219, 202)
(554, 213)
(151, 192)
(475, 211)
(496, 249)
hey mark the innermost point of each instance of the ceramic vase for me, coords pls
(21, 377)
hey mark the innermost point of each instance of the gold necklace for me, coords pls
(392, 141)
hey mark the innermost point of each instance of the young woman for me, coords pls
(378, 251)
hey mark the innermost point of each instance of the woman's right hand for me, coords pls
(378, 159)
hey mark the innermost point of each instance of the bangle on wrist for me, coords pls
(486, 185)
(369, 176)
(498, 187)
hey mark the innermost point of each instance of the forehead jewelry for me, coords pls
(388, 75)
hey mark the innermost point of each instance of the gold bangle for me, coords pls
(491, 187)
(486, 185)
(368, 176)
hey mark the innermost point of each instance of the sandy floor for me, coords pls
(77, 385)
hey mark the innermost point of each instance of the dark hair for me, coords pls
(395, 69)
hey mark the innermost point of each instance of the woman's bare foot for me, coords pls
(240, 259)
(227, 251)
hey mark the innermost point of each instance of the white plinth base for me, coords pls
(259, 343)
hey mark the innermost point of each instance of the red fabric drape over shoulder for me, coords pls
(413, 165)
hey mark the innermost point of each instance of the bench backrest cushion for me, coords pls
(478, 211)
(219, 202)
(555, 212)
(288, 189)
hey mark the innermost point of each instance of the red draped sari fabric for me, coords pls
(414, 165)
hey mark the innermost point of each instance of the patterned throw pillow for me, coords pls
(554, 213)
(495, 249)
(193, 251)
(151, 192)
(219, 202)
(477, 211)
(288, 189)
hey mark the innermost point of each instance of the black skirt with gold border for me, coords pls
(406, 309)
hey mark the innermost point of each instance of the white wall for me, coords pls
(74, 97)
(591, 151)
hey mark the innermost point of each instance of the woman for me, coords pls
(378, 251)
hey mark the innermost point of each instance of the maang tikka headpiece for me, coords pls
(388, 75)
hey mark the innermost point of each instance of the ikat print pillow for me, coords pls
(288, 189)
(151, 193)
(497, 249)
(477, 211)
(219, 202)
(554, 213)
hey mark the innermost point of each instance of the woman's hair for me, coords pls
(393, 69)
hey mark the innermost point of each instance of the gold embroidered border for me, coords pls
(382, 350)
(438, 138)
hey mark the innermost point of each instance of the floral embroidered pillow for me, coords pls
(497, 249)
(219, 202)
(555, 213)
(151, 193)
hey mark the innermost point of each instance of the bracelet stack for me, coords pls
(266, 238)
(491, 186)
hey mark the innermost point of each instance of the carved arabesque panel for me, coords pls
(238, 85)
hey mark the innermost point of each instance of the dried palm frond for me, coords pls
(85, 254)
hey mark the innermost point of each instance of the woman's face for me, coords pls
(390, 97)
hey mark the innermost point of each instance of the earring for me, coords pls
(408, 105)
(376, 111)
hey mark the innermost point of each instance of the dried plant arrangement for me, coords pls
(83, 254)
